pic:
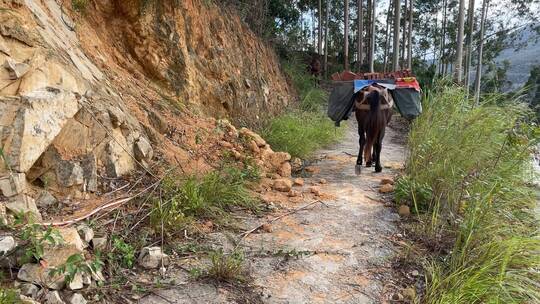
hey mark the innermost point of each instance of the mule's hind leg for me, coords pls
(362, 142)
(377, 152)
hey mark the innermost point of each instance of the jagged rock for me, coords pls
(71, 238)
(89, 168)
(32, 123)
(254, 147)
(298, 182)
(118, 162)
(3, 215)
(54, 297)
(282, 184)
(404, 210)
(86, 233)
(25, 204)
(87, 279)
(69, 173)
(3, 46)
(12, 184)
(152, 257)
(293, 193)
(158, 122)
(143, 150)
(296, 164)
(99, 243)
(29, 289)
(77, 298)
(96, 275)
(7, 244)
(117, 117)
(45, 199)
(37, 274)
(58, 254)
(245, 132)
(77, 282)
(16, 69)
(285, 170)
(385, 181)
(27, 300)
(315, 190)
(386, 188)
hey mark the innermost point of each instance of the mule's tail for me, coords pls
(375, 122)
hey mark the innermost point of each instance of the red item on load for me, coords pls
(408, 83)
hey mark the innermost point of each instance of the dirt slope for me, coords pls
(91, 95)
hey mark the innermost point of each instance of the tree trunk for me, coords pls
(443, 40)
(409, 43)
(404, 36)
(346, 37)
(326, 40)
(458, 66)
(319, 32)
(468, 58)
(395, 55)
(387, 35)
(360, 34)
(485, 4)
(372, 40)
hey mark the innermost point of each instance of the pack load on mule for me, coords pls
(371, 97)
(402, 85)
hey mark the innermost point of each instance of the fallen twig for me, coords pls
(245, 234)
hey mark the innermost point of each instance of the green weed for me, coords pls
(9, 296)
(304, 128)
(77, 264)
(35, 237)
(79, 5)
(208, 197)
(227, 267)
(467, 173)
(122, 253)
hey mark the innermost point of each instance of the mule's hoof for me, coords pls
(368, 164)
(357, 169)
(378, 169)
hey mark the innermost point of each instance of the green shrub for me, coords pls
(302, 129)
(301, 133)
(470, 167)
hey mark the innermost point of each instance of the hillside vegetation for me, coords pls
(468, 178)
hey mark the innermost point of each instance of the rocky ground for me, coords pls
(338, 249)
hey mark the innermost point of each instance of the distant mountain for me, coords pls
(521, 59)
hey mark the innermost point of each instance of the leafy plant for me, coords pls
(35, 236)
(122, 252)
(76, 264)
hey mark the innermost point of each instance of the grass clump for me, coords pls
(227, 267)
(304, 128)
(467, 176)
(79, 5)
(208, 197)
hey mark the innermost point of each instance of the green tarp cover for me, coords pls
(341, 101)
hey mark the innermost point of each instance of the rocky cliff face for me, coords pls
(88, 97)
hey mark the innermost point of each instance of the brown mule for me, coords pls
(373, 109)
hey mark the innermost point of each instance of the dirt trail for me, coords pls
(336, 252)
